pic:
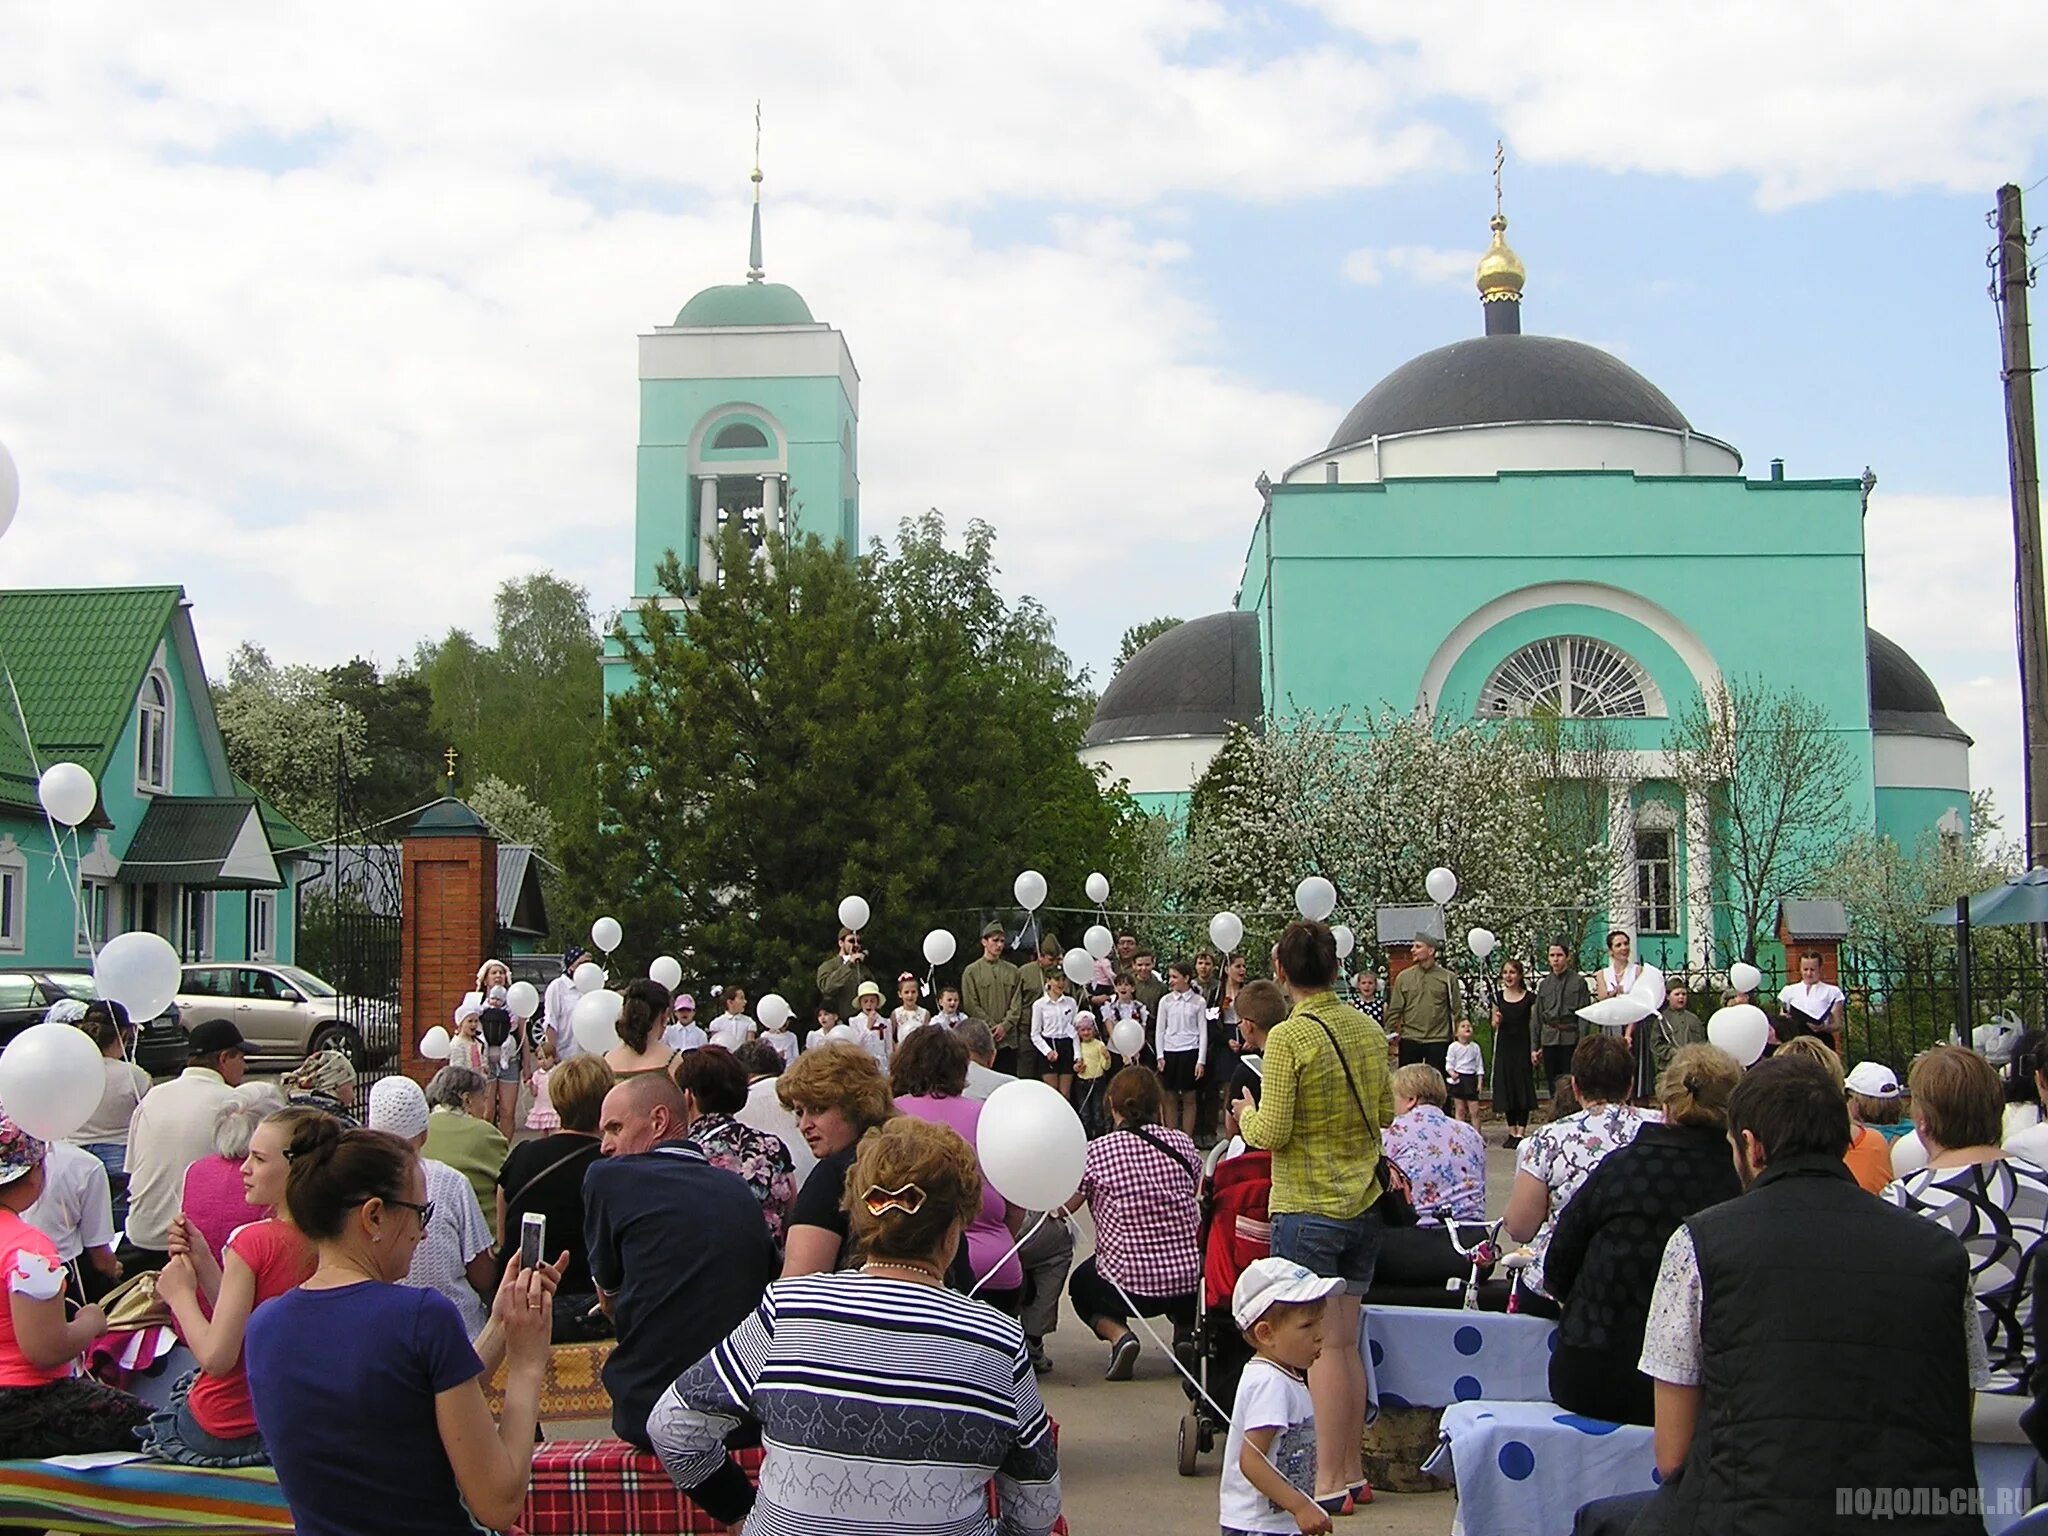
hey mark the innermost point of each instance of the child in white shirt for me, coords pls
(1180, 1039)
(949, 1013)
(683, 1032)
(1269, 1460)
(778, 1039)
(908, 1015)
(1464, 1067)
(1052, 1032)
(872, 1025)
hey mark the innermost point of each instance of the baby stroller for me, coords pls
(1236, 1229)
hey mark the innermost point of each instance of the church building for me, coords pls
(1516, 524)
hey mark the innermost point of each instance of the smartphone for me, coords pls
(533, 1237)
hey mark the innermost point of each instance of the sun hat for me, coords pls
(19, 1152)
(866, 989)
(398, 1105)
(1268, 1283)
(1874, 1080)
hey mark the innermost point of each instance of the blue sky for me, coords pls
(331, 316)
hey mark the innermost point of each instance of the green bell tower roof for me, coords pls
(747, 304)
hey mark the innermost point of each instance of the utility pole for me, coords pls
(2014, 278)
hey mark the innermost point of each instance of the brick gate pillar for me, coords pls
(449, 921)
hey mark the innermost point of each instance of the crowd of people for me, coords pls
(790, 1242)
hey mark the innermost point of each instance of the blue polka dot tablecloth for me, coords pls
(1431, 1357)
(1523, 1469)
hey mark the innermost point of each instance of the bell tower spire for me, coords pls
(1501, 273)
(754, 270)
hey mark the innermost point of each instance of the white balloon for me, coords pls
(1650, 988)
(1909, 1155)
(589, 977)
(845, 1034)
(1346, 941)
(1033, 1149)
(1315, 898)
(1098, 888)
(773, 1011)
(68, 793)
(51, 1079)
(1127, 1038)
(1744, 977)
(1079, 966)
(667, 970)
(1482, 942)
(940, 946)
(605, 934)
(853, 913)
(1441, 884)
(731, 1036)
(141, 972)
(1030, 890)
(1742, 1031)
(1098, 941)
(436, 1043)
(522, 999)
(1226, 931)
(10, 488)
(1616, 1012)
(596, 1020)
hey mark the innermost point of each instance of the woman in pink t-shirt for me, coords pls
(215, 1199)
(210, 1421)
(928, 1075)
(45, 1409)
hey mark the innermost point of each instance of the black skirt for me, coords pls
(1514, 1079)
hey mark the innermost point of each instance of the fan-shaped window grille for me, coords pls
(740, 434)
(1571, 677)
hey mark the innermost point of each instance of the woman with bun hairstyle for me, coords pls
(209, 1421)
(641, 1021)
(367, 1392)
(886, 1403)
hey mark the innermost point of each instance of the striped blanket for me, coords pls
(141, 1495)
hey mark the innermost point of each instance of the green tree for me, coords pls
(512, 814)
(400, 769)
(819, 725)
(279, 726)
(528, 707)
(1138, 636)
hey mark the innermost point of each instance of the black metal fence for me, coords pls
(358, 952)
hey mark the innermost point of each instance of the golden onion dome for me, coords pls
(1501, 272)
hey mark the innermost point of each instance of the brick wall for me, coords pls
(451, 923)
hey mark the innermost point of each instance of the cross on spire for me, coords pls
(1500, 159)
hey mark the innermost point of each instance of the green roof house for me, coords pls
(111, 678)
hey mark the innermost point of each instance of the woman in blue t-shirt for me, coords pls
(367, 1391)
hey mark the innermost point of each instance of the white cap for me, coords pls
(1275, 1282)
(1874, 1080)
(398, 1105)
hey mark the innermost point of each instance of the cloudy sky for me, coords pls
(328, 312)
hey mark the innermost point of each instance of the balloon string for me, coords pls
(1029, 1233)
(1173, 1357)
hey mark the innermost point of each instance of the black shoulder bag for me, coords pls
(1143, 1135)
(1395, 1209)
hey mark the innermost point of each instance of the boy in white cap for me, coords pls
(1269, 1461)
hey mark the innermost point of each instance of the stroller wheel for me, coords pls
(1190, 1443)
(1206, 1437)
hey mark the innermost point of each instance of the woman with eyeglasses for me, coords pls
(367, 1390)
(453, 1255)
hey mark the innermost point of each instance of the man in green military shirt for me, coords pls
(839, 978)
(1424, 1006)
(1032, 974)
(1559, 997)
(1146, 983)
(992, 990)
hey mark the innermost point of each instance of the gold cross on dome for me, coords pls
(449, 757)
(1500, 159)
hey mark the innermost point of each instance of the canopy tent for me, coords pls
(2021, 902)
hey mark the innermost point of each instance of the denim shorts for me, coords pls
(1324, 1245)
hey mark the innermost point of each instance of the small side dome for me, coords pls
(1903, 698)
(747, 304)
(1197, 679)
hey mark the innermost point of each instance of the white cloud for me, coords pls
(1940, 584)
(1420, 264)
(1808, 99)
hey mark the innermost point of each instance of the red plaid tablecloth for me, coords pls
(607, 1488)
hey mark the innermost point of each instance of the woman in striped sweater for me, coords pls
(886, 1402)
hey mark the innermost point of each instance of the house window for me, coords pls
(1570, 677)
(153, 733)
(13, 902)
(1655, 912)
(95, 902)
(262, 925)
(197, 908)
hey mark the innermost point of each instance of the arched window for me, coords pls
(740, 434)
(153, 733)
(1571, 677)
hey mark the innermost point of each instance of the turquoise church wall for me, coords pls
(1905, 815)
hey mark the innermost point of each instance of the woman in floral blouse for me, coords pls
(1444, 1161)
(714, 1090)
(1559, 1157)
